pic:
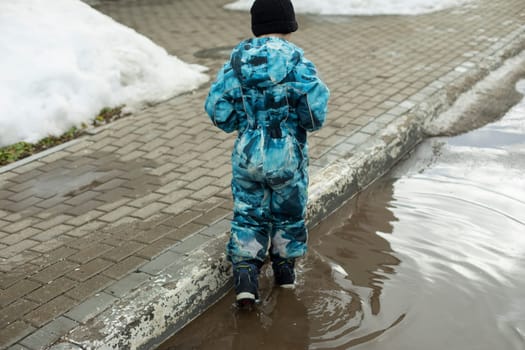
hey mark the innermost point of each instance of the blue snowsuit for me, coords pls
(271, 95)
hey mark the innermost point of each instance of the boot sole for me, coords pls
(245, 300)
(245, 296)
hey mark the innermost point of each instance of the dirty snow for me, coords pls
(361, 7)
(62, 62)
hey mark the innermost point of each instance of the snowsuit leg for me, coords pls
(288, 208)
(249, 237)
(264, 215)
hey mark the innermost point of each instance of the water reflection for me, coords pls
(280, 312)
(280, 322)
(359, 260)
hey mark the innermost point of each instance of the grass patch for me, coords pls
(20, 150)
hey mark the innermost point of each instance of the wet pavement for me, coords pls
(430, 254)
(117, 237)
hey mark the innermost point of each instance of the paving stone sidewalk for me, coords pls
(84, 225)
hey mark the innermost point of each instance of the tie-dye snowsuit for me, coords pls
(271, 95)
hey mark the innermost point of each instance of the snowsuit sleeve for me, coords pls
(224, 101)
(311, 96)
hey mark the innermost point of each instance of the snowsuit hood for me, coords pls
(264, 62)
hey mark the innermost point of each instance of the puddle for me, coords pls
(496, 139)
(222, 52)
(66, 184)
(77, 180)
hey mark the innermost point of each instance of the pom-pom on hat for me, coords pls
(273, 16)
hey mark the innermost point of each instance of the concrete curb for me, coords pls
(37, 156)
(163, 305)
(171, 296)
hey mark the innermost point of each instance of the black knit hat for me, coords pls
(273, 16)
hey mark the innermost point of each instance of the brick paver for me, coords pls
(82, 226)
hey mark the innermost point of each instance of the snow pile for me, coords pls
(62, 62)
(361, 7)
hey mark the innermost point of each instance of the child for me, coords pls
(271, 95)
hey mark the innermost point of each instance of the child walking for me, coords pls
(271, 95)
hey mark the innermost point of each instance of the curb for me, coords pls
(37, 156)
(171, 296)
